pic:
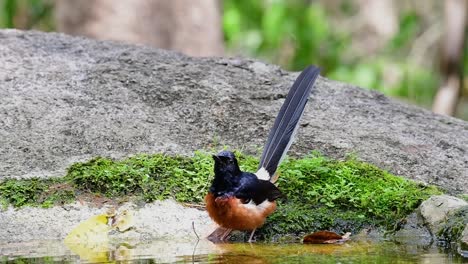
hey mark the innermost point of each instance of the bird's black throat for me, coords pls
(227, 174)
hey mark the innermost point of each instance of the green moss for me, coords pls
(353, 185)
(341, 196)
(153, 177)
(319, 193)
(35, 192)
(300, 219)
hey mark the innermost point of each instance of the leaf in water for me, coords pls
(90, 239)
(325, 237)
(93, 229)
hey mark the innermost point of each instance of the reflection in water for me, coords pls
(206, 252)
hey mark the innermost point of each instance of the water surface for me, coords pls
(205, 252)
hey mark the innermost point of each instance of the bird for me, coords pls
(239, 200)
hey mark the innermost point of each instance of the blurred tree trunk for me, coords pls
(374, 32)
(448, 95)
(191, 27)
(381, 16)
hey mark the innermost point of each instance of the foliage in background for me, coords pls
(291, 33)
(27, 14)
(297, 33)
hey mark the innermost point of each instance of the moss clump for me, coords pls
(341, 196)
(299, 219)
(319, 193)
(35, 192)
(153, 177)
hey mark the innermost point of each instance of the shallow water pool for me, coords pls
(205, 252)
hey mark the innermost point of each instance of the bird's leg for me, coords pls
(251, 236)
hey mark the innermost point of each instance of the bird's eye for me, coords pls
(245, 200)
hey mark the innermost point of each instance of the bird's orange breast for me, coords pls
(230, 212)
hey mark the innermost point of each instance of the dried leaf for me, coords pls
(325, 237)
(123, 221)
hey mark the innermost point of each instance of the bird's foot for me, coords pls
(219, 235)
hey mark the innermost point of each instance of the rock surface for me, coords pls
(437, 209)
(158, 220)
(414, 232)
(68, 99)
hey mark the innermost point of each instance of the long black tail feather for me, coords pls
(287, 121)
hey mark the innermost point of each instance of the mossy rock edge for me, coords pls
(320, 193)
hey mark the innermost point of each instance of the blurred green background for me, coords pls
(294, 33)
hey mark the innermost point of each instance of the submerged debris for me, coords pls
(325, 237)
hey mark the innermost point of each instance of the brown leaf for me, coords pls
(325, 237)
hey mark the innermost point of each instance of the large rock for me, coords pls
(437, 209)
(66, 99)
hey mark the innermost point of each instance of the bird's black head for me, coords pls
(227, 174)
(226, 163)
